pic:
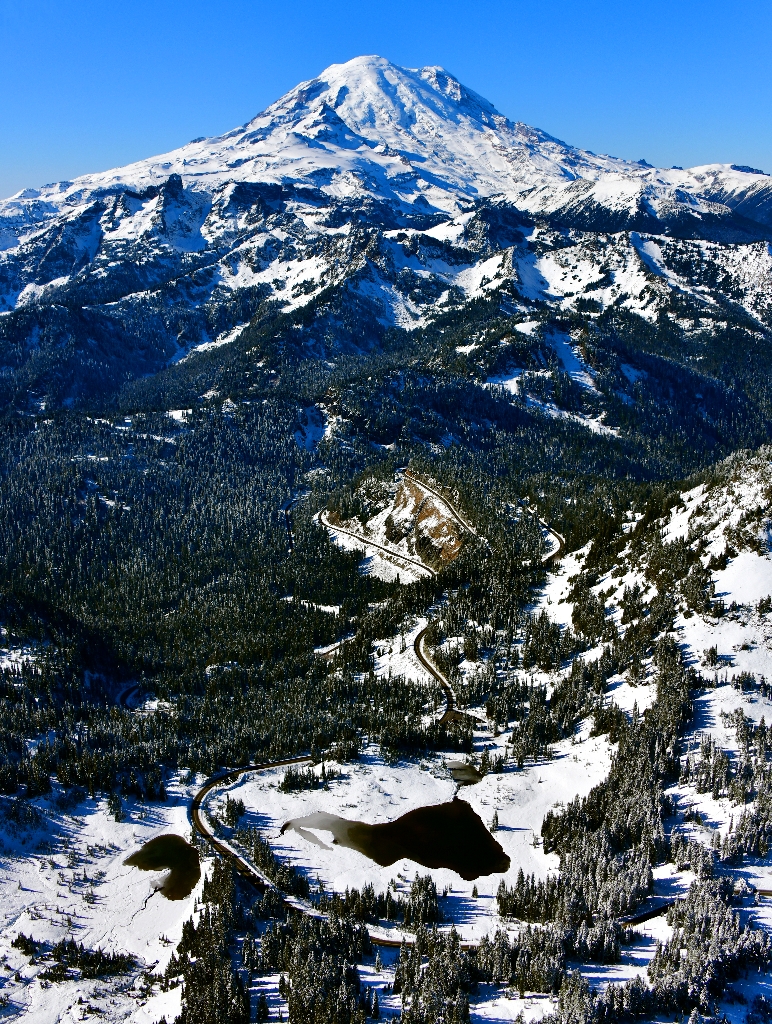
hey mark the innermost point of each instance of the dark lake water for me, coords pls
(449, 835)
(170, 852)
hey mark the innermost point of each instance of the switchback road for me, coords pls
(412, 563)
(241, 865)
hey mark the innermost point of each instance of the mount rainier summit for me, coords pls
(389, 196)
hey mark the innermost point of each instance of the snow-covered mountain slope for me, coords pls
(370, 126)
(710, 553)
(394, 185)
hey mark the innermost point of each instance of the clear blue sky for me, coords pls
(90, 84)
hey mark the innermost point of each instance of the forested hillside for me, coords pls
(200, 379)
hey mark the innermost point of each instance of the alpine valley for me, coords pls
(386, 576)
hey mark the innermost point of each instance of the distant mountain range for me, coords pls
(400, 193)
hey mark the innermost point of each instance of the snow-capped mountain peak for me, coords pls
(400, 184)
(370, 126)
(386, 103)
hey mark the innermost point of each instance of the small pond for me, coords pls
(170, 852)
(449, 835)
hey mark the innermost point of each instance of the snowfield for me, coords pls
(373, 790)
(116, 909)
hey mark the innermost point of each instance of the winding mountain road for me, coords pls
(551, 556)
(246, 870)
(243, 868)
(241, 865)
(431, 668)
(412, 563)
(454, 513)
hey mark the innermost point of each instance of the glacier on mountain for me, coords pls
(403, 135)
(402, 187)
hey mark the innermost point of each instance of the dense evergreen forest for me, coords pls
(167, 536)
(381, 298)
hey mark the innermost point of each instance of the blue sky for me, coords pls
(87, 85)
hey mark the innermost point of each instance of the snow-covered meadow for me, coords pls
(62, 875)
(374, 790)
